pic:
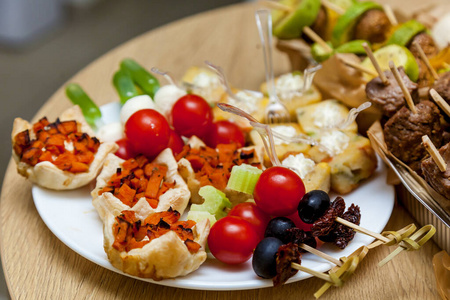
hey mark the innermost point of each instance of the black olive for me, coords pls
(313, 205)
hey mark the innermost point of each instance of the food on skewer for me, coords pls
(439, 180)
(364, 21)
(389, 98)
(442, 87)
(61, 155)
(404, 130)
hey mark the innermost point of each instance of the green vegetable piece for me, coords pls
(216, 202)
(344, 4)
(319, 53)
(243, 178)
(143, 79)
(344, 27)
(124, 85)
(400, 55)
(291, 26)
(406, 32)
(355, 46)
(90, 110)
(277, 14)
(198, 216)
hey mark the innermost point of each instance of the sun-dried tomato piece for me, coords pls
(299, 236)
(324, 224)
(341, 235)
(286, 255)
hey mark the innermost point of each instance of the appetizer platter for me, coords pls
(204, 185)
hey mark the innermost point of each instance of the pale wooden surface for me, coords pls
(38, 266)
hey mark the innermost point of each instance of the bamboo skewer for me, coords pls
(362, 230)
(316, 38)
(440, 101)
(390, 14)
(435, 155)
(375, 64)
(405, 91)
(276, 5)
(337, 9)
(325, 256)
(425, 59)
(358, 67)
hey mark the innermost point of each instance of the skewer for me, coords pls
(362, 230)
(390, 14)
(358, 67)
(276, 5)
(400, 82)
(440, 101)
(437, 157)
(325, 256)
(337, 9)
(375, 64)
(316, 38)
(425, 59)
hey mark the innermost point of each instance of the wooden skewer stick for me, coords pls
(437, 157)
(325, 256)
(337, 9)
(316, 38)
(362, 230)
(276, 5)
(425, 59)
(358, 67)
(402, 85)
(375, 64)
(440, 101)
(390, 14)
(320, 275)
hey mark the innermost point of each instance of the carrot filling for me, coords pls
(131, 233)
(60, 143)
(137, 178)
(213, 166)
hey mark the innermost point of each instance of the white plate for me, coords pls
(72, 218)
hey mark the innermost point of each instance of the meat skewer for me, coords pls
(431, 149)
(402, 85)
(440, 101)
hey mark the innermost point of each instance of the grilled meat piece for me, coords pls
(440, 181)
(442, 87)
(389, 98)
(403, 131)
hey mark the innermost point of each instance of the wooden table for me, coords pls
(39, 266)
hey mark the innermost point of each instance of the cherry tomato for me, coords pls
(224, 132)
(175, 142)
(232, 240)
(191, 115)
(148, 132)
(278, 191)
(299, 223)
(251, 213)
(125, 150)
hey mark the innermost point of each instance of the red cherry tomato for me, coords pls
(224, 132)
(278, 191)
(125, 150)
(251, 213)
(299, 223)
(148, 132)
(175, 142)
(232, 240)
(191, 115)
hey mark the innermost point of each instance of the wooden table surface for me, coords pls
(39, 266)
